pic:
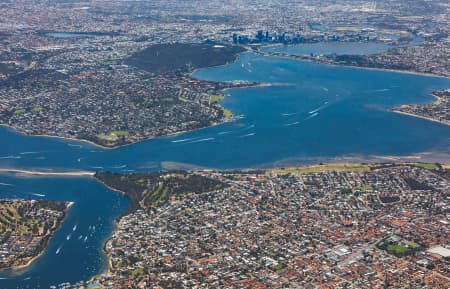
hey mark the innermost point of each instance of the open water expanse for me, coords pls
(69, 34)
(340, 48)
(311, 112)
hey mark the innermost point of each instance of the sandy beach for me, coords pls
(420, 116)
(43, 173)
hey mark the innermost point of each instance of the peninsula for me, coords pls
(142, 95)
(336, 225)
(48, 173)
(26, 227)
(438, 111)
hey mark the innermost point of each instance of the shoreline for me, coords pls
(395, 110)
(43, 173)
(92, 143)
(254, 85)
(438, 100)
(54, 136)
(66, 139)
(69, 139)
(309, 59)
(437, 156)
(115, 226)
(346, 165)
(18, 268)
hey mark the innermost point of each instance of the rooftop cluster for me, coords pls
(25, 229)
(384, 226)
(65, 68)
(437, 111)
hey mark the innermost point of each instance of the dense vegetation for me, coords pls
(15, 216)
(364, 61)
(416, 185)
(398, 246)
(389, 199)
(165, 58)
(155, 188)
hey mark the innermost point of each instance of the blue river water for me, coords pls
(75, 252)
(353, 48)
(69, 35)
(312, 111)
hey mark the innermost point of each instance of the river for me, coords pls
(340, 48)
(312, 112)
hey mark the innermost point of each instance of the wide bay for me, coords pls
(312, 112)
(315, 112)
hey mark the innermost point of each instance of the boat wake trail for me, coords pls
(118, 167)
(382, 90)
(183, 140)
(28, 153)
(289, 114)
(5, 184)
(98, 168)
(224, 132)
(291, 124)
(38, 195)
(319, 108)
(247, 128)
(247, 135)
(202, 140)
(11, 157)
(305, 119)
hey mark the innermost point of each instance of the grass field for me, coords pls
(401, 250)
(157, 196)
(19, 111)
(427, 166)
(363, 188)
(37, 109)
(120, 133)
(322, 168)
(113, 136)
(215, 98)
(227, 113)
(12, 221)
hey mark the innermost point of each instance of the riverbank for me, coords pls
(44, 242)
(132, 204)
(318, 60)
(18, 131)
(438, 156)
(438, 101)
(420, 116)
(113, 147)
(232, 86)
(350, 180)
